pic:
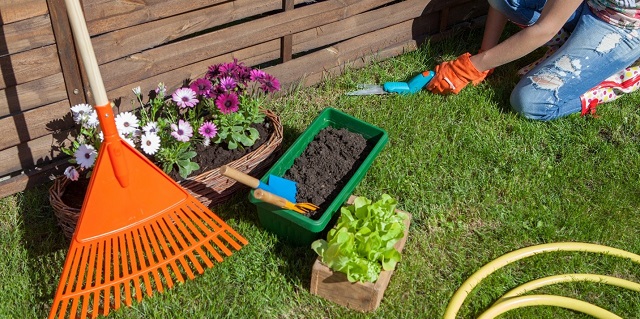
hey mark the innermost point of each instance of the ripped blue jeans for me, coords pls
(594, 51)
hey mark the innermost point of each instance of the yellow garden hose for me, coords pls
(511, 303)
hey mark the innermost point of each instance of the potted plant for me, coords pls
(176, 130)
(327, 141)
(359, 255)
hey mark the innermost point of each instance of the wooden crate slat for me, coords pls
(26, 35)
(32, 178)
(173, 56)
(30, 95)
(123, 42)
(28, 66)
(17, 10)
(34, 124)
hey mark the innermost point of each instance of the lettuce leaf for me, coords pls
(361, 243)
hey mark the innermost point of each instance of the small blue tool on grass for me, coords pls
(414, 85)
(276, 185)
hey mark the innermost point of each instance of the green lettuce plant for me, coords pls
(361, 244)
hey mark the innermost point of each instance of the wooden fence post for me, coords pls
(286, 43)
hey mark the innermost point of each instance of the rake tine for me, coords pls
(180, 238)
(219, 230)
(192, 229)
(166, 251)
(144, 251)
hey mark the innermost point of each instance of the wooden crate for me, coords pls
(365, 297)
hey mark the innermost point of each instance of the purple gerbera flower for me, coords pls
(182, 132)
(184, 97)
(270, 84)
(201, 86)
(227, 102)
(208, 130)
(228, 84)
(257, 75)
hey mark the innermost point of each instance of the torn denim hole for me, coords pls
(608, 43)
(552, 78)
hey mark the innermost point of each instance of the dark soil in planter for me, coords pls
(208, 158)
(326, 166)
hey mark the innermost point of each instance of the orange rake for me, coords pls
(138, 230)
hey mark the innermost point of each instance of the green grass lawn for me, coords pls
(479, 180)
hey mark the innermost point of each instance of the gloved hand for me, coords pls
(453, 76)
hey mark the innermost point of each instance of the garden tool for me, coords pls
(302, 208)
(414, 85)
(138, 230)
(276, 185)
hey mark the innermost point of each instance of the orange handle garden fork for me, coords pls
(138, 230)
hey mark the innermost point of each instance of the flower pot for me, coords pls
(209, 187)
(335, 287)
(301, 230)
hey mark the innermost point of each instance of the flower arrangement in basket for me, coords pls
(219, 108)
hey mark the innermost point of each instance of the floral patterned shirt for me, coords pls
(623, 13)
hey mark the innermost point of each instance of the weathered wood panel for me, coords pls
(30, 95)
(144, 42)
(17, 10)
(26, 35)
(28, 66)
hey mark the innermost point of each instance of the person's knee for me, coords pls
(528, 107)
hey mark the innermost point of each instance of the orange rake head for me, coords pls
(133, 240)
(138, 230)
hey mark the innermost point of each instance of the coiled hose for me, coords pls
(511, 300)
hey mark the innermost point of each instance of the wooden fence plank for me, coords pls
(16, 10)
(25, 35)
(39, 151)
(28, 66)
(121, 43)
(286, 43)
(140, 66)
(31, 178)
(34, 124)
(109, 15)
(23, 97)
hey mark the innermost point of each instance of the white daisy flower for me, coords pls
(92, 120)
(136, 90)
(126, 122)
(85, 155)
(151, 127)
(71, 173)
(80, 112)
(150, 143)
(101, 136)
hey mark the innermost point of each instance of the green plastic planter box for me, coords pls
(296, 228)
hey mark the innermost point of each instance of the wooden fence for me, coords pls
(144, 42)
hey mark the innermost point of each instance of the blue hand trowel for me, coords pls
(276, 185)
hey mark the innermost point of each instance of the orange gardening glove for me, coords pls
(453, 76)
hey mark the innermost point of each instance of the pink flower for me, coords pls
(184, 97)
(71, 173)
(269, 83)
(208, 130)
(201, 86)
(257, 75)
(227, 103)
(182, 132)
(228, 84)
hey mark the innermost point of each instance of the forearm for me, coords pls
(513, 48)
(496, 22)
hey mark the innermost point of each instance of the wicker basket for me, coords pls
(210, 187)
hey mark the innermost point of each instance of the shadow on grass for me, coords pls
(45, 244)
